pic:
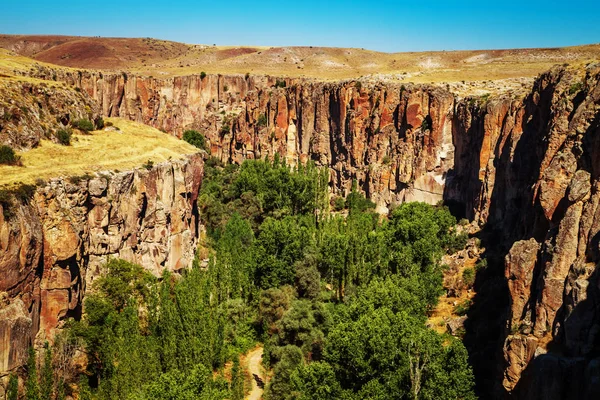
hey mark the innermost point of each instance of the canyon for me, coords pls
(522, 166)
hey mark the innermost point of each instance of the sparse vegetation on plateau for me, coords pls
(128, 147)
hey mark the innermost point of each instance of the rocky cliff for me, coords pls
(394, 140)
(534, 181)
(53, 245)
(31, 110)
(524, 167)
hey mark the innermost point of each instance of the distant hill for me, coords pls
(152, 56)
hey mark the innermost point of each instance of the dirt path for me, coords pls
(256, 371)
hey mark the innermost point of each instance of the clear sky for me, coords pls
(378, 25)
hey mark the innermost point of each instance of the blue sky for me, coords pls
(378, 25)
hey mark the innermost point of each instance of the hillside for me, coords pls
(152, 56)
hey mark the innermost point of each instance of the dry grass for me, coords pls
(444, 310)
(128, 148)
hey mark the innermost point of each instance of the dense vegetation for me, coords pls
(338, 300)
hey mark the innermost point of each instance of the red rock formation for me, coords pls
(530, 171)
(375, 135)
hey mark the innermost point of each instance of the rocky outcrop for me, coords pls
(54, 246)
(31, 111)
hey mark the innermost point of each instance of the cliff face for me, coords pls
(395, 140)
(530, 171)
(524, 167)
(52, 247)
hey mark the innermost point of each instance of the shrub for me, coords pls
(99, 123)
(481, 264)
(575, 88)
(339, 203)
(202, 75)
(77, 179)
(225, 88)
(8, 156)
(24, 192)
(84, 124)
(280, 83)
(149, 165)
(386, 160)
(468, 277)
(64, 136)
(262, 120)
(6, 201)
(195, 138)
(425, 125)
(20, 192)
(358, 85)
(457, 242)
(462, 308)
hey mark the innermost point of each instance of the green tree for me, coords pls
(32, 390)
(195, 138)
(47, 378)
(280, 244)
(315, 381)
(237, 380)
(12, 391)
(280, 386)
(85, 393)
(308, 279)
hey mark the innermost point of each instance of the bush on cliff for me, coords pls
(195, 138)
(8, 156)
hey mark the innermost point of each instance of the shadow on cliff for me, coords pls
(571, 367)
(570, 370)
(512, 215)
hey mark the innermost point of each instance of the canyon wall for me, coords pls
(394, 140)
(530, 170)
(53, 245)
(523, 167)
